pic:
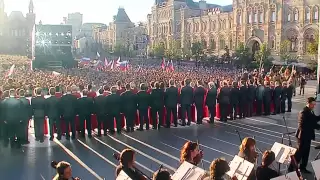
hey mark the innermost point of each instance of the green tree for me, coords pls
(197, 50)
(158, 50)
(243, 55)
(173, 51)
(312, 47)
(284, 53)
(262, 56)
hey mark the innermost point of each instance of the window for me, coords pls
(315, 13)
(296, 15)
(272, 44)
(261, 17)
(255, 17)
(289, 17)
(222, 44)
(307, 14)
(239, 19)
(250, 17)
(273, 16)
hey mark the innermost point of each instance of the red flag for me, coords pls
(163, 64)
(171, 68)
(10, 72)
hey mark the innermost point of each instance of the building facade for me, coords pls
(75, 20)
(251, 22)
(16, 31)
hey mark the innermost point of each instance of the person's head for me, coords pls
(268, 157)
(199, 83)
(89, 87)
(162, 174)
(101, 91)
(114, 89)
(171, 82)
(38, 91)
(143, 86)
(128, 87)
(52, 91)
(119, 84)
(12, 92)
(189, 151)
(187, 82)
(276, 83)
(311, 102)
(63, 169)
(57, 88)
(127, 158)
(162, 85)
(133, 85)
(248, 145)
(218, 168)
(211, 85)
(106, 88)
(5, 93)
(157, 85)
(85, 92)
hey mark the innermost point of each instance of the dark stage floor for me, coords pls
(92, 158)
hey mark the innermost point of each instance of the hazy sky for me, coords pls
(53, 11)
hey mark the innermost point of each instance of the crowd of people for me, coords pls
(168, 95)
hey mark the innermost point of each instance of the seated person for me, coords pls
(162, 174)
(64, 171)
(190, 153)
(264, 172)
(218, 169)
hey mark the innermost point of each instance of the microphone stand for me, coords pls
(200, 150)
(239, 135)
(288, 133)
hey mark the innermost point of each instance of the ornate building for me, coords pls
(252, 22)
(16, 30)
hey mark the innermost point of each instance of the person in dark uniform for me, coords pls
(85, 109)
(26, 115)
(113, 107)
(53, 114)
(100, 103)
(259, 97)
(186, 101)
(38, 104)
(224, 101)
(263, 172)
(3, 122)
(277, 97)
(68, 105)
(283, 97)
(211, 100)
(307, 123)
(157, 104)
(143, 100)
(267, 98)
(251, 97)
(129, 107)
(199, 94)
(243, 100)
(234, 100)
(290, 91)
(171, 101)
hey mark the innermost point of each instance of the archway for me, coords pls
(255, 47)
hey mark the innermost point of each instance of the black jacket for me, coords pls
(307, 123)
(52, 108)
(211, 99)
(129, 101)
(157, 98)
(26, 109)
(11, 108)
(113, 102)
(100, 105)
(234, 95)
(186, 95)
(143, 99)
(68, 105)
(171, 97)
(85, 106)
(265, 173)
(38, 106)
(224, 95)
(199, 94)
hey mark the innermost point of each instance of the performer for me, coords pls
(259, 97)
(290, 91)
(129, 107)
(247, 152)
(224, 100)
(38, 104)
(157, 104)
(143, 100)
(199, 94)
(85, 109)
(263, 172)
(26, 115)
(307, 123)
(64, 171)
(162, 174)
(243, 100)
(113, 107)
(218, 169)
(68, 104)
(100, 103)
(190, 153)
(171, 101)
(267, 98)
(277, 98)
(251, 97)
(211, 101)
(127, 164)
(302, 83)
(53, 114)
(186, 101)
(283, 97)
(234, 100)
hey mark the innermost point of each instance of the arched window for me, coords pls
(224, 24)
(213, 25)
(255, 17)
(273, 16)
(212, 44)
(307, 14)
(249, 17)
(204, 44)
(295, 15)
(289, 17)
(315, 13)
(273, 43)
(239, 18)
(222, 44)
(261, 17)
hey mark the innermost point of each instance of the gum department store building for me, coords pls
(252, 22)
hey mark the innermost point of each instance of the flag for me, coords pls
(31, 66)
(118, 62)
(163, 64)
(112, 65)
(124, 66)
(10, 72)
(98, 54)
(171, 68)
(55, 73)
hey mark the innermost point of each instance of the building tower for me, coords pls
(2, 14)
(31, 18)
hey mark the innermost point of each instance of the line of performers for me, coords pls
(236, 99)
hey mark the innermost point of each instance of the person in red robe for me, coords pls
(91, 93)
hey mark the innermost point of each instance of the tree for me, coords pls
(284, 53)
(173, 51)
(197, 50)
(312, 47)
(262, 56)
(243, 55)
(158, 50)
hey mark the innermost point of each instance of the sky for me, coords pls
(102, 11)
